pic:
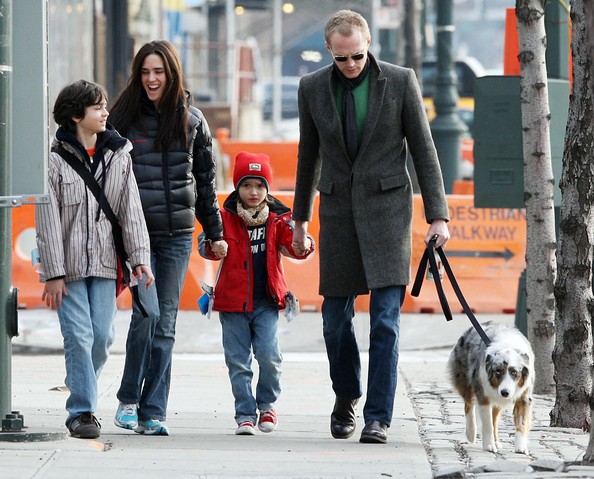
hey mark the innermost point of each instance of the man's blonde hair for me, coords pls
(344, 22)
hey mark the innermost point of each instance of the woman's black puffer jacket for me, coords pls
(174, 186)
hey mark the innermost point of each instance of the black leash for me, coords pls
(429, 257)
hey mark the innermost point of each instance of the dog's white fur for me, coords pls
(496, 377)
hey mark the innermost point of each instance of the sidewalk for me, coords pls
(426, 438)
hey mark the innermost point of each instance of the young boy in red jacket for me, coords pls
(251, 289)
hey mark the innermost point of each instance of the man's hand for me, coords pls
(301, 242)
(438, 228)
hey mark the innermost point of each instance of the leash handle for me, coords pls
(428, 260)
(429, 257)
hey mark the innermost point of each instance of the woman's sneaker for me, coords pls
(126, 416)
(245, 428)
(152, 427)
(85, 426)
(267, 421)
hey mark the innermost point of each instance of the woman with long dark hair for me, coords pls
(175, 171)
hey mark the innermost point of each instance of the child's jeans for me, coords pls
(87, 322)
(241, 332)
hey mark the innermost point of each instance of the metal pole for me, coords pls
(447, 128)
(232, 97)
(376, 46)
(5, 213)
(277, 65)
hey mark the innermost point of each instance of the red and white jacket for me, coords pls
(234, 289)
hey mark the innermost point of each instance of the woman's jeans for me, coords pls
(149, 346)
(343, 351)
(241, 332)
(87, 323)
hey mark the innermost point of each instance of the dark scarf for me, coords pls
(349, 113)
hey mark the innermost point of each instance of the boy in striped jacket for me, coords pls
(76, 246)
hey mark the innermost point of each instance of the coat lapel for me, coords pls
(336, 116)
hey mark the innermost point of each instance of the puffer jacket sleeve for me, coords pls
(204, 171)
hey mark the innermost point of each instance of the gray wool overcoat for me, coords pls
(365, 205)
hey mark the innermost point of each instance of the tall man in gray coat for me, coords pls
(358, 118)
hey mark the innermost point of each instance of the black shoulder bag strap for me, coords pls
(429, 257)
(118, 238)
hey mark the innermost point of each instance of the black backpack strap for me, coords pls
(118, 237)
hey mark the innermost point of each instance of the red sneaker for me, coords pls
(267, 421)
(245, 428)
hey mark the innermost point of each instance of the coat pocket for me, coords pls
(325, 186)
(72, 191)
(393, 181)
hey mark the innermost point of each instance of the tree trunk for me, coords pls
(589, 24)
(573, 289)
(541, 265)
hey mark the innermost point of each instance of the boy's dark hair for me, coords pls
(73, 99)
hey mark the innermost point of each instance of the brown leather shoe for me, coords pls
(342, 420)
(374, 432)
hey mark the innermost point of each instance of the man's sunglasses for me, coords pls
(343, 58)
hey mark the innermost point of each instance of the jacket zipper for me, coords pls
(248, 269)
(165, 162)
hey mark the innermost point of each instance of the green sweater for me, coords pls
(361, 95)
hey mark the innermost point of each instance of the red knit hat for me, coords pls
(252, 165)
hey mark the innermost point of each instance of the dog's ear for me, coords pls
(489, 364)
(525, 372)
(525, 357)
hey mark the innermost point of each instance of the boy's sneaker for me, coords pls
(85, 426)
(267, 421)
(152, 427)
(245, 428)
(126, 416)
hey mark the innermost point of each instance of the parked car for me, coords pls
(289, 109)
(288, 128)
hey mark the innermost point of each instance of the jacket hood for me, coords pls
(109, 138)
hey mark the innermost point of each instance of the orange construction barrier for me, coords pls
(463, 187)
(511, 47)
(486, 251)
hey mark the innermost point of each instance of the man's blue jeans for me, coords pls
(86, 320)
(343, 351)
(241, 332)
(149, 347)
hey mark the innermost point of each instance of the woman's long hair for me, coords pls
(125, 112)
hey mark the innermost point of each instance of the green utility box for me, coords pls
(498, 153)
(499, 156)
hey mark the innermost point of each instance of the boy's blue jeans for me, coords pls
(241, 333)
(87, 324)
(149, 347)
(343, 351)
